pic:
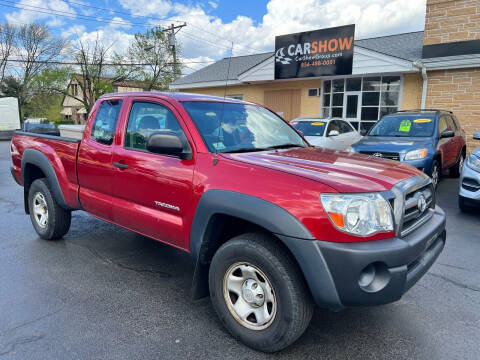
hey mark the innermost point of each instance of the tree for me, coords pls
(96, 76)
(152, 48)
(8, 39)
(36, 50)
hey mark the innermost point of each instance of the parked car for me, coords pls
(430, 140)
(335, 134)
(41, 128)
(469, 195)
(273, 225)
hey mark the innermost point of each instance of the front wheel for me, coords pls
(456, 169)
(259, 293)
(50, 220)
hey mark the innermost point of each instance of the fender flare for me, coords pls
(35, 157)
(246, 207)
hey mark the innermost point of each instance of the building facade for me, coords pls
(435, 68)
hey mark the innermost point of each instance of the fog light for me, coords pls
(374, 277)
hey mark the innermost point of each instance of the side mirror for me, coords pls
(476, 135)
(363, 132)
(447, 134)
(167, 144)
(333, 133)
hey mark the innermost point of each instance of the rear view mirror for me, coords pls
(476, 135)
(167, 144)
(333, 133)
(447, 134)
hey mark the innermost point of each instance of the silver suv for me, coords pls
(469, 195)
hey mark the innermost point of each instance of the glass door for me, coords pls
(352, 106)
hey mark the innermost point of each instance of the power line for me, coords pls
(118, 22)
(56, 62)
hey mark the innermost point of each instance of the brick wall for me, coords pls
(457, 90)
(452, 20)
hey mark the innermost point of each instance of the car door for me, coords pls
(457, 142)
(446, 145)
(350, 136)
(94, 165)
(153, 191)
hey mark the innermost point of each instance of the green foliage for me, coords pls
(103, 87)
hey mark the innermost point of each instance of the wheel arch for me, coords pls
(221, 215)
(36, 165)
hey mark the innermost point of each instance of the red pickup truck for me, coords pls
(273, 224)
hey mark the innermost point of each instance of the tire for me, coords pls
(289, 306)
(435, 173)
(456, 169)
(50, 220)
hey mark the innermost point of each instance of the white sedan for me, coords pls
(335, 134)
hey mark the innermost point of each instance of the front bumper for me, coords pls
(333, 270)
(469, 184)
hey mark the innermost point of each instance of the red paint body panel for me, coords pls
(292, 179)
(62, 156)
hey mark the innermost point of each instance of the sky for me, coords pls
(213, 25)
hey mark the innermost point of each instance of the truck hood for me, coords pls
(391, 144)
(345, 172)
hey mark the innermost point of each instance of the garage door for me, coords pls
(284, 101)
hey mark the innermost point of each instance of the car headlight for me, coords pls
(473, 162)
(350, 150)
(359, 214)
(416, 154)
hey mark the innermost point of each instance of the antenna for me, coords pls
(224, 97)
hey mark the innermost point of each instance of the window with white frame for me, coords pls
(378, 96)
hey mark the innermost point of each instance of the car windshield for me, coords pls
(405, 125)
(232, 127)
(310, 128)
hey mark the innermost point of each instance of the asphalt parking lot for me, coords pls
(107, 293)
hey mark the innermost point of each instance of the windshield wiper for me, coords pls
(284, 146)
(240, 150)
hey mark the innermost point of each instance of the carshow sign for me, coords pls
(315, 53)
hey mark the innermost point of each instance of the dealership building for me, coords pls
(318, 74)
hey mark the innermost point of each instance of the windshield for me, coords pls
(310, 128)
(242, 127)
(405, 125)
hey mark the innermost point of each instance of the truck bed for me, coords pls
(60, 151)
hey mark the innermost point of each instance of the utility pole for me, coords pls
(172, 43)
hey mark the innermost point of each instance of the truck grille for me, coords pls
(413, 204)
(382, 154)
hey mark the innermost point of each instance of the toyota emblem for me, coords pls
(378, 154)
(421, 203)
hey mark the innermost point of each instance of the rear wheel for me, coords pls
(435, 174)
(50, 220)
(456, 170)
(259, 293)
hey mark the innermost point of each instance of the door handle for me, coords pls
(120, 165)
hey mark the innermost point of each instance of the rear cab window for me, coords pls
(105, 123)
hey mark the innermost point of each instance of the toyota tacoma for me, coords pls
(273, 224)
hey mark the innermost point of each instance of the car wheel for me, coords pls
(259, 293)
(456, 170)
(50, 220)
(435, 173)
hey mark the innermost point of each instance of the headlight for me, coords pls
(416, 154)
(350, 150)
(358, 214)
(473, 162)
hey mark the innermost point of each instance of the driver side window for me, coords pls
(147, 118)
(334, 125)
